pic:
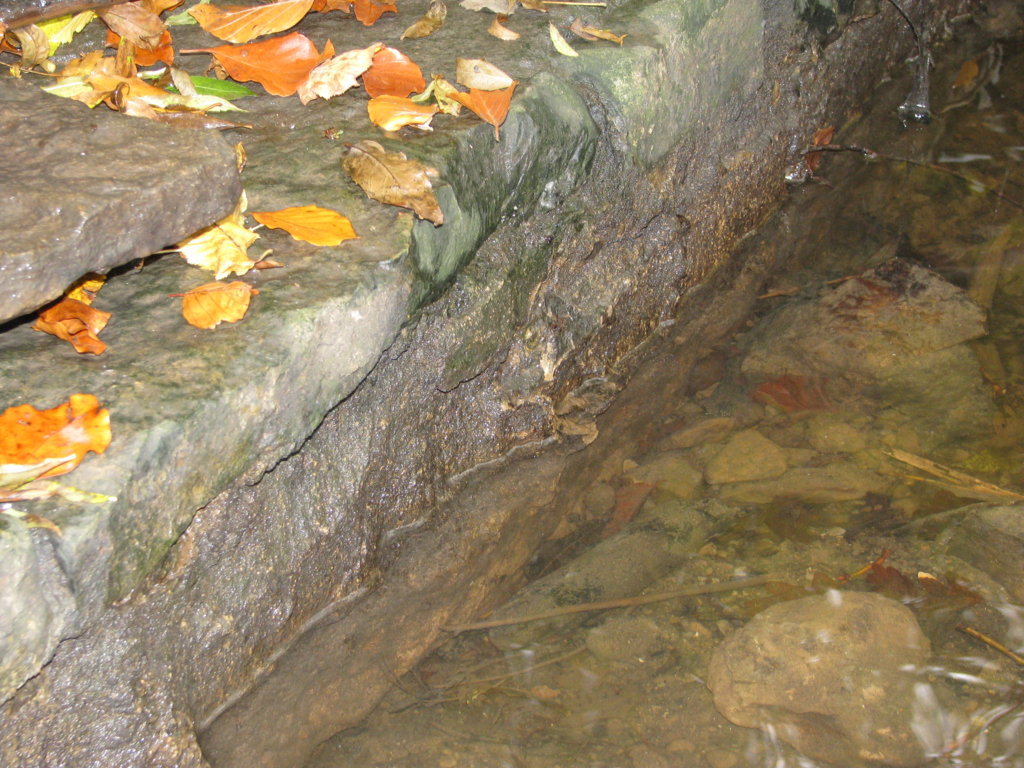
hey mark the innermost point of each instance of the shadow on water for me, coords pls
(856, 448)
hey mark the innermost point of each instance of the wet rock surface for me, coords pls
(228, 552)
(833, 675)
(88, 190)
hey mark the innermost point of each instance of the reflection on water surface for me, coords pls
(857, 448)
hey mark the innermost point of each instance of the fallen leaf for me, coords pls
(57, 438)
(337, 75)
(368, 11)
(34, 45)
(967, 74)
(821, 137)
(394, 112)
(490, 106)
(316, 225)
(280, 64)
(222, 248)
(85, 288)
(63, 28)
(392, 73)
(793, 393)
(506, 7)
(325, 6)
(480, 74)
(592, 34)
(501, 32)
(213, 303)
(440, 90)
(241, 24)
(76, 323)
(559, 42)
(428, 23)
(135, 23)
(163, 53)
(392, 178)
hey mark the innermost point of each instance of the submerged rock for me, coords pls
(833, 675)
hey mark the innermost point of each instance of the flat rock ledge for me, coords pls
(294, 481)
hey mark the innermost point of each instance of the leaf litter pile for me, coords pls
(137, 73)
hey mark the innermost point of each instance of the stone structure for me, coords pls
(315, 489)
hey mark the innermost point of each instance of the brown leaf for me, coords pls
(501, 32)
(136, 24)
(394, 74)
(394, 112)
(428, 23)
(324, 6)
(213, 303)
(241, 24)
(392, 178)
(967, 74)
(490, 106)
(368, 11)
(593, 34)
(793, 393)
(480, 74)
(76, 323)
(34, 45)
(280, 64)
(57, 439)
(164, 51)
(337, 75)
(316, 225)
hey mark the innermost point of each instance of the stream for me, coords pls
(826, 530)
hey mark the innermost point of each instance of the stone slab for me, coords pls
(88, 190)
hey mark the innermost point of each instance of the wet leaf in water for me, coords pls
(793, 393)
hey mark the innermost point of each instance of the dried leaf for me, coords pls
(368, 11)
(222, 248)
(429, 22)
(559, 42)
(337, 75)
(55, 440)
(163, 53)
(967, 74)
(135, 23)
(392, 178)
(506, 7)
(821, 137)
(394, 112)
(592, 34)
(392, 73)
(490, 106)
(325, 6)
(85, 288)
(440, 90)
(35, 47)
(76, 323)
(213, 303)
(480, 74)
(280, 64)
(501, 32)
(241, 24)
(316, 225)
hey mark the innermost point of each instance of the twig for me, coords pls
(625, 602)
(991, 643)
(953, 479)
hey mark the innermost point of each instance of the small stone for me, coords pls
(720, 758)
(748, 455)
(706, 431)
(669, 471)
(829, 433)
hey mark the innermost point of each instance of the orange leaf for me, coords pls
(368, 11)
(490, 106)
(241, 24)
(69, 431)
(822, 137)
(76, 323)
(324, 6)
(213, 303)
(316, 225)
(394, 112)
(163, 52)
(394, 74)
(280, 64)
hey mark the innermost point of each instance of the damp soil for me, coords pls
(861, 432)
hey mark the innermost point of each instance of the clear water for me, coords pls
(809, 466)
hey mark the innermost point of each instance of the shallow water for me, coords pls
(835, 445)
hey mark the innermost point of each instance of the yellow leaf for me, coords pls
(213, 303)
(559, 42)
(394, 112)
(428, 23)
(63, 28)
(85, 288)
(337, 75)
(316, 225)
(56, 440)
(242, 24)
(440, 90)
(222, 248)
